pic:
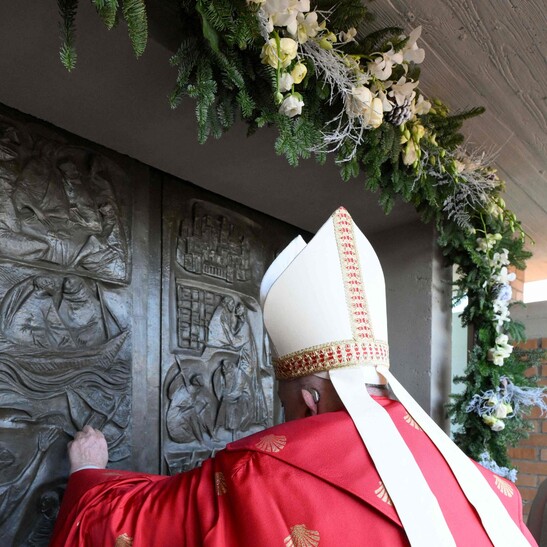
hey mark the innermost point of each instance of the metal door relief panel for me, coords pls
(218, 382)
(64, 341)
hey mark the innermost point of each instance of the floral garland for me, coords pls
(331, 88)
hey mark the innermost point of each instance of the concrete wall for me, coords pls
(419, 318)
(534, 317)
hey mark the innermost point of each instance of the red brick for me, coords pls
(523, 453)
(543, 455)
(544, 343)
(529, 344)
(542, 382)
(544, 426)
(535, 439)
(532, 371)
(538, 468)
(527, 480)
(535, 413)
(543, 371)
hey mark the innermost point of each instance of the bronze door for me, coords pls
(129, 300)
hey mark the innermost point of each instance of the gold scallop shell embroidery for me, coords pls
(272, 443)
(504, 487)
(220, 484)
(302, 537)
(412, 422)
(123, 541)
(381, 492)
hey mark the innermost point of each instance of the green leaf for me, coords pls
(209, 32)
(134, 13)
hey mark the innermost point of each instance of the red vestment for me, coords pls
(306, 483)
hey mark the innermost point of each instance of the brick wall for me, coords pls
(530, 455)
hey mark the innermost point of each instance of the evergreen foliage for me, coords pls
(134, 14)
(68, 9)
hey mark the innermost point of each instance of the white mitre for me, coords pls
(325, 312)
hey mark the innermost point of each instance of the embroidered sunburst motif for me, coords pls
(123, 541)
(302, 537)
(381, 492)
(411, 421)
(220, 484)
(272, 443)
(504, 487)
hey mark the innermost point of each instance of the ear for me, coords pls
(310, 403)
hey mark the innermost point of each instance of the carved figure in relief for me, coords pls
(57, 205)
(29, 314)
(105, 252)
(49, 311)
(38, 533)
(81, 311)
(230, 327)
(189, 415)
(13, 492)
(232, 388)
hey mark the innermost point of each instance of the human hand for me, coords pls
(88, 448)
(47, 438)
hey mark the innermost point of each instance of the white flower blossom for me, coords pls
(499, 425)
(504, 277)
(505, 293)
(421, 106)
(411, 52)
(382, 66)
(307, 26)
(348, 36)
(285, 82)
(494, 423)
(284, 13)
(291, 106)
(503, 410)
(402, 90)
(361, 102)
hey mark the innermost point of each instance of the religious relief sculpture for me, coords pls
(64, 363)
(215, 246)
(51, 321)
(220, 387)
(58, 206)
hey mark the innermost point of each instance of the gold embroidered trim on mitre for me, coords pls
(272, 443)
(123, 541)
(302, 537)
(330, 356)
(220, 484)
(504, 487)
(381, 492)
(354, 288)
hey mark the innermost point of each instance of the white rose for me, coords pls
(285, 82)
(503, 410)
(359, 100)
(291, 106)
(498, 425)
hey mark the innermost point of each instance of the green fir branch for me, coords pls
(67, 26)
(108, 11)
(134, 13)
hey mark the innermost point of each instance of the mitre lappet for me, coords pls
(325, 313)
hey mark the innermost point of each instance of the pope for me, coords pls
(357, 463)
